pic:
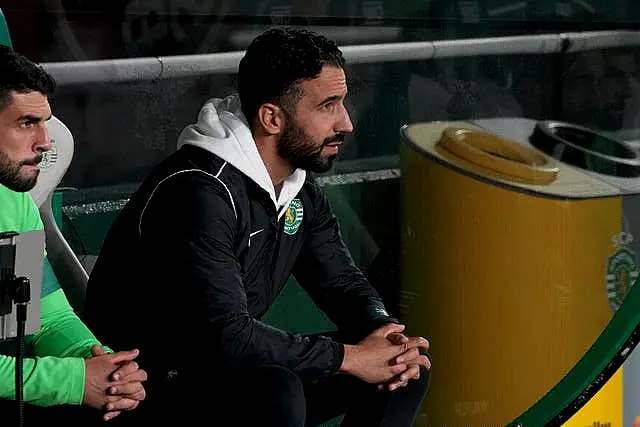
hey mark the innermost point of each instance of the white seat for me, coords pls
(69, 271)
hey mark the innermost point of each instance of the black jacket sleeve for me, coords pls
(326, 270)
(196, 218)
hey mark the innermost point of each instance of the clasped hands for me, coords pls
(410, 356)
(113, 382)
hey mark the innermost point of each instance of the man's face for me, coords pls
(316, 130)
(23, 139)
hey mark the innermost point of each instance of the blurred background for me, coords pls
(123, 128)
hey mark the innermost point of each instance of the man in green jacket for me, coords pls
(70, 370)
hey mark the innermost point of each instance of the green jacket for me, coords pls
(56, 374)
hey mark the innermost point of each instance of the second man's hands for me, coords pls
(413, 358)
(375, 359)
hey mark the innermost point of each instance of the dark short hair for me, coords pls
(19, 74)
(275, 63)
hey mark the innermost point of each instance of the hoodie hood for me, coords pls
(223, 130)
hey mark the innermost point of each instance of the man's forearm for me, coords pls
(62, 333)
(47, 381)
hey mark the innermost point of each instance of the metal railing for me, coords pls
(153, 68)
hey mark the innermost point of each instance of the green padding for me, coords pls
(601, 354)
(4, 31)
(294, 311)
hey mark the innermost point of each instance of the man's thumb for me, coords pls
(391, 328)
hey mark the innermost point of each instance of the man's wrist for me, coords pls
(347, 360)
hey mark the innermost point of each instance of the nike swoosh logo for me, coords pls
(256, 232)
(253, 234)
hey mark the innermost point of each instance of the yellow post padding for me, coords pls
(506, 278)
(500, 155)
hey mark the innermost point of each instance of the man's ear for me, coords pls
(271, 119)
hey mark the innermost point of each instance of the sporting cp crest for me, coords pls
(622, 270)
(50, 157)
(293, 217)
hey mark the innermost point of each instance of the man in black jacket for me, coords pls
(207, 242)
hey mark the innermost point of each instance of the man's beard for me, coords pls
(301, 150)
(10, 173)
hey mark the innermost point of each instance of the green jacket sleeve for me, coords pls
(56, 376)
(47, 380)
(62, 333)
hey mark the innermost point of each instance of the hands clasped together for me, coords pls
(113, 382)
(387, 357)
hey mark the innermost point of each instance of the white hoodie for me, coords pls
(223, 130)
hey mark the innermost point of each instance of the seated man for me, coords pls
(70, 368)
(207, 243)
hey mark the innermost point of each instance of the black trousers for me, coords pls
(262, 396)
(273, 396)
